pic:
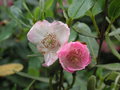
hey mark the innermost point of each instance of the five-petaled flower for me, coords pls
(49, 37)
(74, 56)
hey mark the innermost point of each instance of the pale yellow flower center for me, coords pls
(73, 59)
(50, 41)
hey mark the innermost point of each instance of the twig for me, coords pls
(30, 85)
(102, 32)
(61, 79)
(95, 24)
(73, 81)
(42, 79)
(50, 83)
(116, 81)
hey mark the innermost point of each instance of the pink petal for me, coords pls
(74, 50)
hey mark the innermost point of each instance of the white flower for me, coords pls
(49, 37)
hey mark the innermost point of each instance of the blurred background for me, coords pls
(16, 18)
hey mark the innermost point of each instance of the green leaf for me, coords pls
(37, 13)
(7, 31)
(113, 28)
(65, 15)
(5, 35)
(114, 9)
(113, 66)
(111, 78)
(34, 66)
(42, 8)
(35, 55)
(115, 32)
(33, 72)
(98, 7)
(33, 47)
(26, 7)
(42, 79)
(35, 61)
(49, 13)
(91, 83)
(70, 1)
(48, 4)
(99, 73)
(18, 80)
(78, 8)
(73, 35)
(15, 11)
(63, 8)
(83, 29)
(112, 48)
(32, 2)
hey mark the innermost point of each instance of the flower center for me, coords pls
(73, 59)
(50, 41)
(74, 55)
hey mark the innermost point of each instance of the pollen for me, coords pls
(74, 59)
(50, 41)
(74, 55)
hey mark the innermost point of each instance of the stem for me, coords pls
(99, 51)
(69, 21)
(30, 85)
(112, 26)
(109, 27)
(102, 32)
(61, 79)
(50, 83)
(95, 24)
(41, 79)
(73, 81)
(57, 80)
(116, 81)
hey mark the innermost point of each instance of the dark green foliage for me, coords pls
(85, 19)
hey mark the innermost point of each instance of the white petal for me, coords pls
(62, 31)
(50, 58)
(42, 49)
(38, 31)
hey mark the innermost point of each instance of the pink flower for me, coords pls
(74, 56)
(106, 49)
(49, 37)
(7, 2)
